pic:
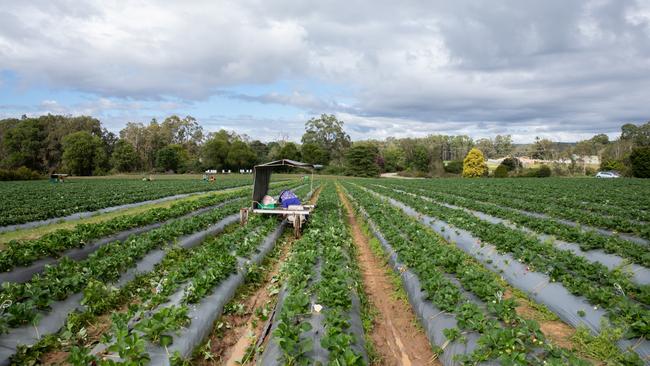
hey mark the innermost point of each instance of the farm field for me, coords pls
(522, 272)
(27, 201)
(577, 247)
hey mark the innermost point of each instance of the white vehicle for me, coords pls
(607, 175)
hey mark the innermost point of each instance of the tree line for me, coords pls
(33, 146)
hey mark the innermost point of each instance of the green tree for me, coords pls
(24, 145)
(503, 145)
(615, 165)
(185, 132)
(512, 164)
(361, 160)
(487, 147)
(83, 153)
(638, 135)
(544, 149)
(393, 158)
(313, 153)
(169, 158)
(454, 167)
(421, 158)
(501, 171)
(215, 150)
(640, 162)
(327, 132)
(289, 151)
(240, 156)
(124, 158)
(261, 150)
(474, 164)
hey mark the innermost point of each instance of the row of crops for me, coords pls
(460, 247)
(319, 319)
(183, 262)
(621, 206)
(39, 200)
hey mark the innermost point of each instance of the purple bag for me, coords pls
(288, 198)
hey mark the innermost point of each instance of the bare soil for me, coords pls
(558, 332)
(395, 334)
(228, 346)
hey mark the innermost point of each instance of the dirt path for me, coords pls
(240, 329)
(243, 327)
(396, 337)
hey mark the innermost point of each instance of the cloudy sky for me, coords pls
(563, 69)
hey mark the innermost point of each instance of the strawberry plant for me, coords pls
(157, 327)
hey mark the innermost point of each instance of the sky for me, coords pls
(559, 69)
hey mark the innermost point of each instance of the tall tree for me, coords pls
(487, 147)
(544, 149)
(261, 150)
(503, 145)
(361, 160)
(393, 158)
(289, 151)
(24, 145)
(639, 135)
(215, 150)
(83, 153)
(421, 158)
(185, 132)
(170, 158)
(640, 162)
(313, 153)
(327, 132)
(124, 157)
(240, 156)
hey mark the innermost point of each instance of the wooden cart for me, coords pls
(296, 215)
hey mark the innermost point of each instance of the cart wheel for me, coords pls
(296, 226)
(243, 216)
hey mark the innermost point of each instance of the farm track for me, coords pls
(536, 285)
(230, 346)
(395, 336)
(640, 274)
(243, 328)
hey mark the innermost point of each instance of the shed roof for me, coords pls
(262, 175)
(285, 162)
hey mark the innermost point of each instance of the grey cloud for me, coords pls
(296, 99)
(570, 66)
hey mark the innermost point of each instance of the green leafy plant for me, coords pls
(157, 327)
